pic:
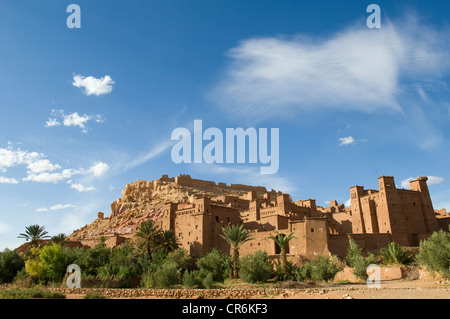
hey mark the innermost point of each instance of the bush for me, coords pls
(356, 260)
(93, 259)
(52, 263)
(122, 264)
(215, 263)
(91, 295)
(191, 279)
(256, 267)
(395, 254)
(304, 272)
(360, 265)
(290, 274)
(208, 281)
(324, 268)
(167, 275)
(353, 254)
(30, 294)
(182, 259)
(434, 253)
(10, 264)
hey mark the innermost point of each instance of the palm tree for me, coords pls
(235, 235)
(34, 233)
(282, 241)
(167, 241)
(148, 233)
(57, 239)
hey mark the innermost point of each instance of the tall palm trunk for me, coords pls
(234, 258)
(283, 261)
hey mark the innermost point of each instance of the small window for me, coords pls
(312, 230)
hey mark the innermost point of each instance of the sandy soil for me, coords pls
(393, 289)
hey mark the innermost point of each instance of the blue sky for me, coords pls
(85, 111)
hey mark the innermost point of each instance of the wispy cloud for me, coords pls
(42, 170)
(356, 69)
(8, 180)
(56, 207)
(92, 85)
(73, 119)
(350, 140)
(80, 187)
(432, 180)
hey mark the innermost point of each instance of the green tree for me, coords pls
(235, 235)
(34, 233)
(10, 263)
(256, 267)
(147, 235)
(355, 259)
(283, 241)
(58, 239)
(213, 262)
(52, 262)
(434, 253)
(167, 241)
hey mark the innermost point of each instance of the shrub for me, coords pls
(181, 258)
(360, 265)
(324, 269)
(356, 260)
(290, 273)
(191, 279)
(304, 272)
(93, 259)
(353, 254)
(91, 295)
(30, 294)
(167, 275)
(33, 265)
(122, 264)
(434, 253)
(395, 254)
(213, 262)
(52, 263)
(256, 267)
(10, 264)
(208, 281)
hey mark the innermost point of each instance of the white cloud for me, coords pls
(92, 85)
(42, 165)
(55, 207)
(7, 180)
(432, 180)
(346, 140)
(73, 119)
(81, 188)
(52, 122)
(348, 203)
(356, 69)
(98, 169)
(51, 177)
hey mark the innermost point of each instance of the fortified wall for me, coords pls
(196, 211)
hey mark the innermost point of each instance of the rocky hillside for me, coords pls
(143, 200)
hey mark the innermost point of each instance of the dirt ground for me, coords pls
(392, 289)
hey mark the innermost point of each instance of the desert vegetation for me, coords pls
(155, 260)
